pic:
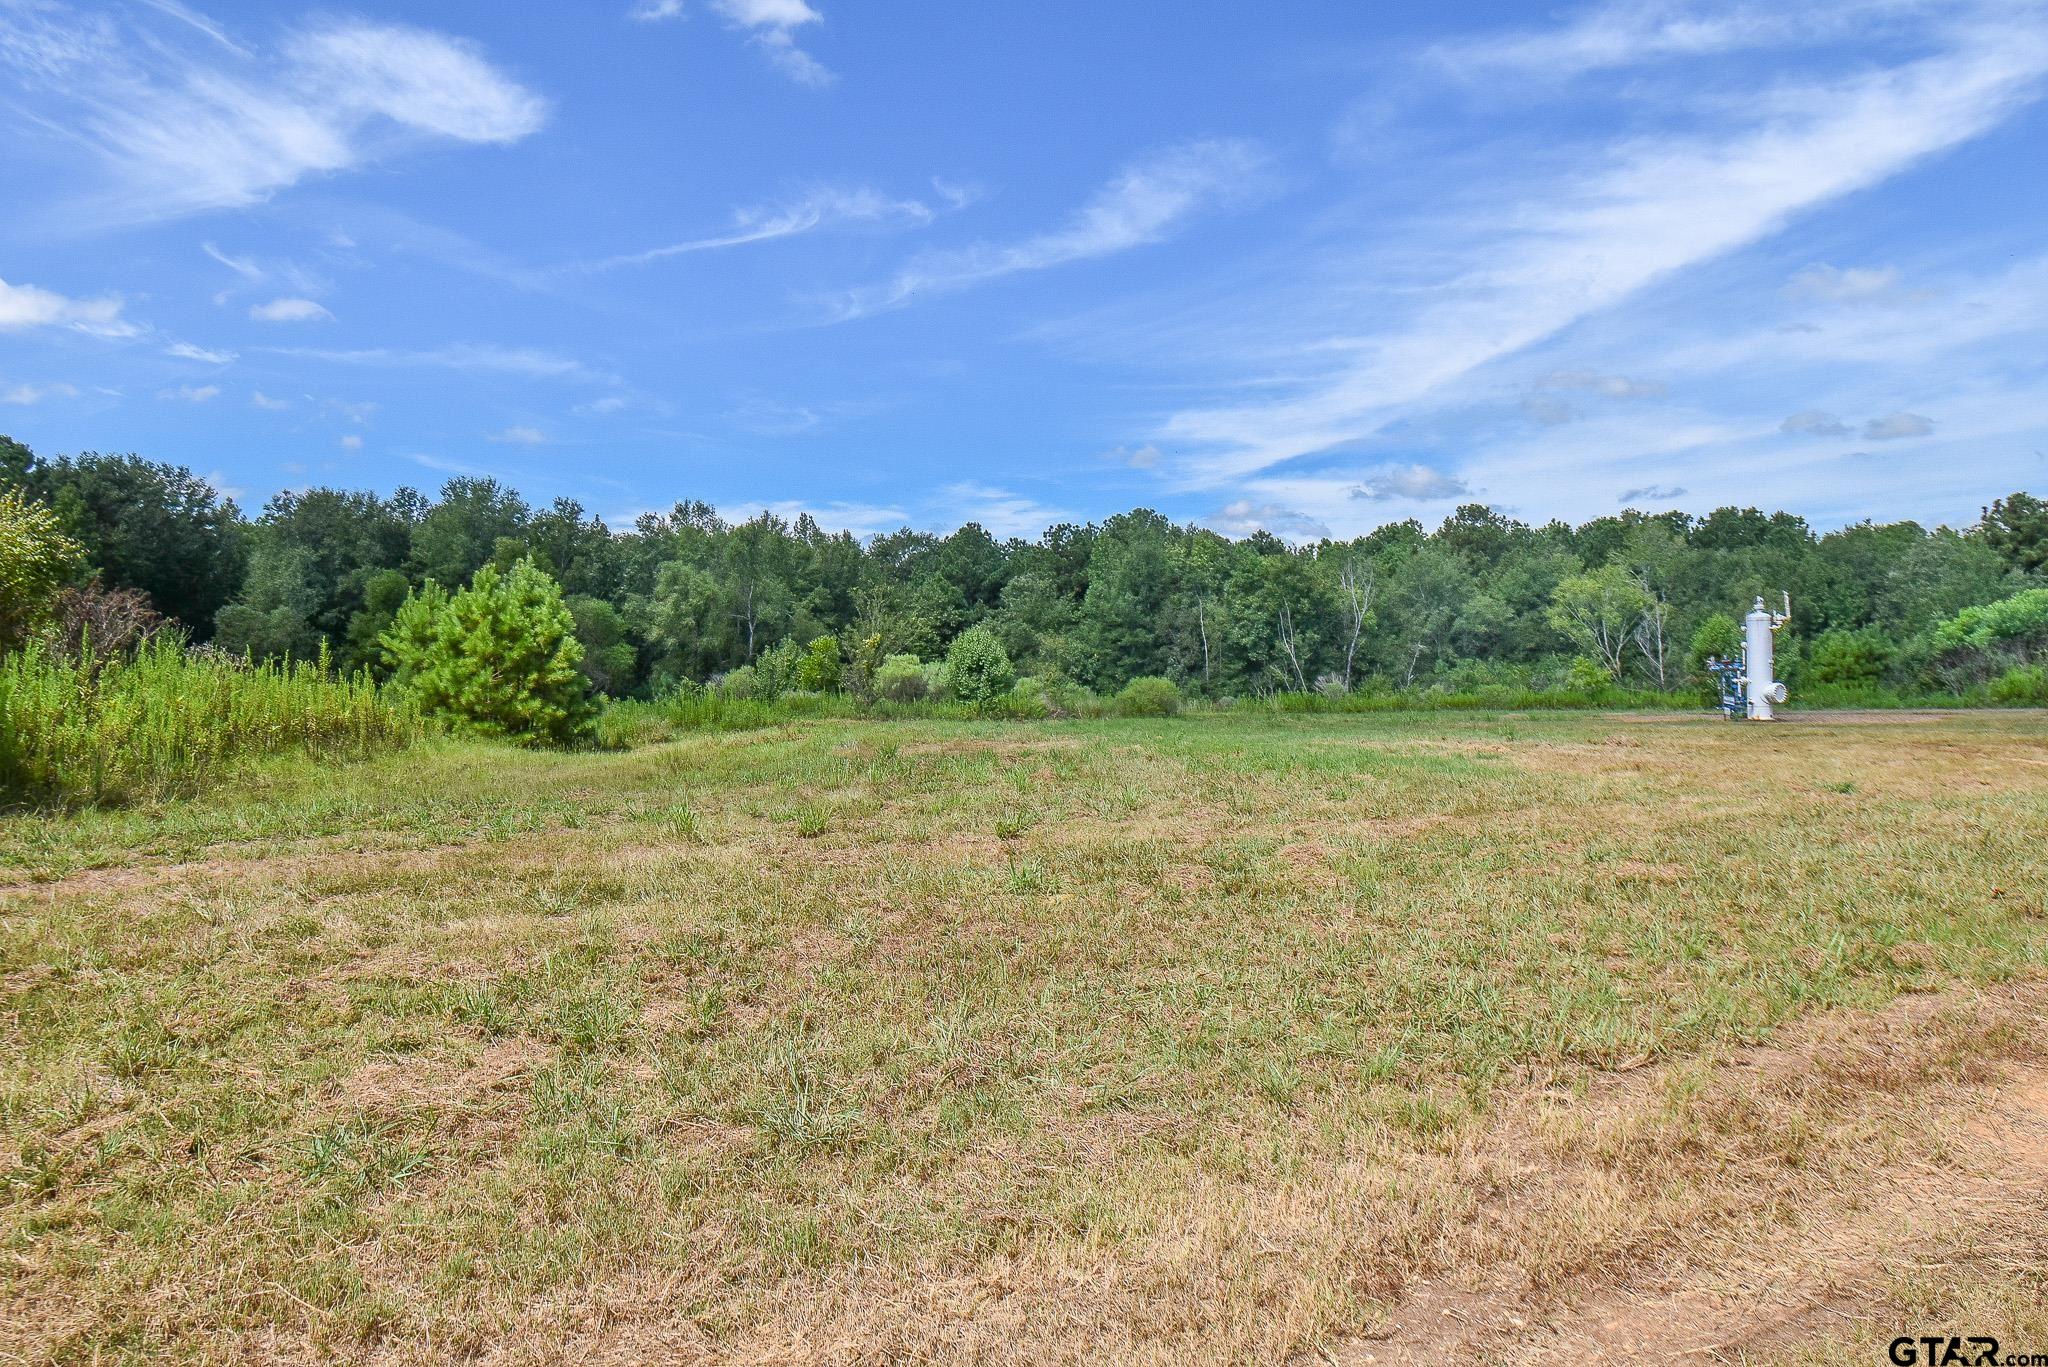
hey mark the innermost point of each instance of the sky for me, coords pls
(1305, 267)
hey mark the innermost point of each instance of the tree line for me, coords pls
(1634, 598)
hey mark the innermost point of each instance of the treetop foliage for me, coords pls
(688, 595)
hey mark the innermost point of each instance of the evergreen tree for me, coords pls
(500, 658)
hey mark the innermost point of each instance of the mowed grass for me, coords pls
(1177, 1040)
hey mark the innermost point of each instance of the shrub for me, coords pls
(858, 678)
(166, 721)
(775, 671)
(100, 622)
(741, 685)
(900, 678)
(978, 669)
(818, 670)
(1148, 696)
(1587, 675)
(2015, 622)
(1848, 657)
(35, 557)
(2021, 686)
(1028, 700)
(498, 659)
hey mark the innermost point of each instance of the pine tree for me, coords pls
(498, 659)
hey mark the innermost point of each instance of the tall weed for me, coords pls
(165, 722)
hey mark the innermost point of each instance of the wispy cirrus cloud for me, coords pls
(771, 25)
(1143, 204)
(1637, 32)
(180, 126)
(529, 363)
(187, 351)
(821, 207)
(1637, 211)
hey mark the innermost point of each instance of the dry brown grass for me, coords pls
(1174, 1042)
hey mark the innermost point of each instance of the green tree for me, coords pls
(477, 522)
(1600, 611)
(157, 528)
(1719, 636)
(35, 560)
(2016, 526)
(818, 670)
(609, 660)
(313, 556)
(500, 658)
(978, 669)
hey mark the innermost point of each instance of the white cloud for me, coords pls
(186, 351)
(449, 467)
(1635, 32)
(243, 266)
(182, 128)
(27, 306)
(819, 208)
(604, 407)
(289, 311)
(1417, 483)
(422, 80)
(186, 393)
(1610, 386)
(351, 442)
(1541, 408)
(358, 413)
(35, 393)
(1147, 200)
(1576, 244)
(1146, 457)
(1242, 517)
(261, 400)
(1894, 426)
(520, 436)
(770, 25)
(1000, 512)
(473, 358)
(1814, 422)
(1835, 284)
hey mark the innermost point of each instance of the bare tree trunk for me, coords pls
(1288, 644)
(1650, 638)
(746, 617)
(1202, 622)
(1357, 603)
(1413, 659)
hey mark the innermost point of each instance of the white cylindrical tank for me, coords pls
(1757, 630)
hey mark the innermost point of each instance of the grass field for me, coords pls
(1318, 1039)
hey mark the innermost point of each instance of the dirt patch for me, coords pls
(1773, 1278)
(398, 1086)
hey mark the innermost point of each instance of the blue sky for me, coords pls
(1307, 267)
